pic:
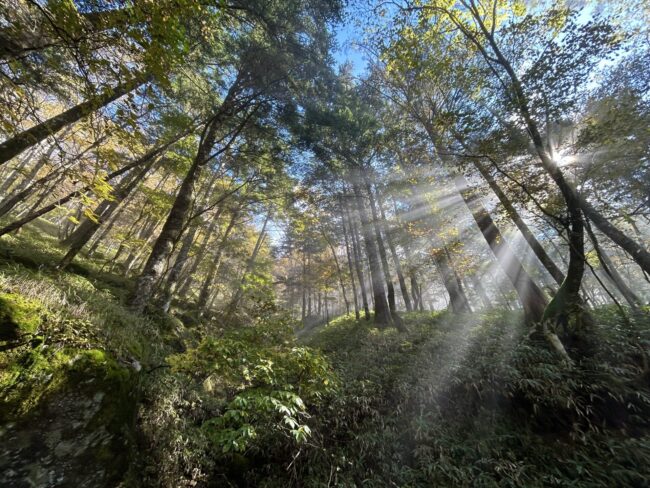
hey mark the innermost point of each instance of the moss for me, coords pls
(99, 365)
(38, 374)
(18, 316)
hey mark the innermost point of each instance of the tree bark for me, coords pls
(239, 293)
(532, 241)
(350, 267)
(393, 252)
(383, 316)
(530, 295)
(357, 261)
(216, 262)
(17, 144)
(78, 239)
(174, 224)
(382, 251)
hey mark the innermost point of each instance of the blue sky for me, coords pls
(347, 34)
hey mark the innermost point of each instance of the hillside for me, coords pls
(324, 243)
(458, 400)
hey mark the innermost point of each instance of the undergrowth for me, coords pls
(469, 401)
(458, 400)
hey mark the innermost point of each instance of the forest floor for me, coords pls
(94, 395)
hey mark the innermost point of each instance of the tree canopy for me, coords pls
(317, 242)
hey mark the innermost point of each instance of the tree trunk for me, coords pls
(631, 298)
(566, 301)
(174, 224)
(350, 267)
(383, 316)
(357, 261)
(457, 297)
(414, 290)
(338, 270)
(172, 278)
(640, 255)
(14, 146)
(531, 296)
(532, 241)
(393, 252)
(88, 227)
(382, 250)
(216, 262)
(239, 293)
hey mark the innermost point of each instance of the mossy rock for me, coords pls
(73, 425)
(19, 316)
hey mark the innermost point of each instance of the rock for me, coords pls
(78, 434)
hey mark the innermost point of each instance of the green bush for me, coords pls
(257, 388)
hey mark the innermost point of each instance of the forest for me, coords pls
(324, 243)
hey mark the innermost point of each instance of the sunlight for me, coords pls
(318, 243)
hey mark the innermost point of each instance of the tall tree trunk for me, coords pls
(383, 316)
(174, 224)
(338, 270)
(640, 255)
(382, 251)
(531, 296)
(393, 252)
(88, 227)
(357, 260)
(566, 301)
(239, 293)
(172, 278)
(216, 261)
(457, 297)
(532, 241)
(417, 301)
(631, 298)
(350, 267)
(17, 144)
(170, 233)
